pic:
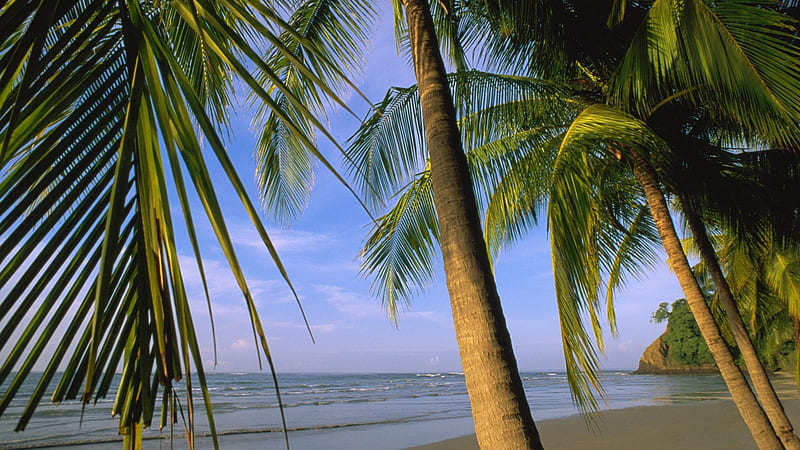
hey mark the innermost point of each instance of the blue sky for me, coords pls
(352, 331)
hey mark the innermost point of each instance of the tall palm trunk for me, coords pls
(500, 410)
(751, 412)
(763, 387)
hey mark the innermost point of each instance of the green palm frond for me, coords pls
(783, 277)
(496, 113)
(451, 27)
(328, 42)
(599, 229)
(106, 108)
(733, 58)
(572, 225)
(517, 37)
(630, 239)
(399, 253)
(388, 150)
(521, 191)
(764, 281)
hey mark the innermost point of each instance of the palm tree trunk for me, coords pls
(763, 387)
(751, 412)
(500, 410)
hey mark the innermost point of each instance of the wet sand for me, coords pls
(705, 425)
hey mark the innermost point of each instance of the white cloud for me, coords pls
(349, 303)
(321, 328)
(431, 316)
(324, 328)
(285, 241)
(222, 285)
(625, 345)
(242, 344)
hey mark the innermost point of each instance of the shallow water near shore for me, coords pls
(342, 411)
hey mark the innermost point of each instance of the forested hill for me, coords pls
(681, 349)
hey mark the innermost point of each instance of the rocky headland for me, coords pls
(656, 360)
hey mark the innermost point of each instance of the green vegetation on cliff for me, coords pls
(684, 344)
(683, 339)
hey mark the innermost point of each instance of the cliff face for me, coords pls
(655, 360)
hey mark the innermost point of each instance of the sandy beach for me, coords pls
(707, 425)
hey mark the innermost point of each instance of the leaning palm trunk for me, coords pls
(500, 410)
(751, 412)
(763, 387)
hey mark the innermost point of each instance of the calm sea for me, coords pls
(344, 411)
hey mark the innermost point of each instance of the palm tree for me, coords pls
(757, 251)
(500, 411)
(106, 107)
(502, 415)
(94, 96)
(632, 141)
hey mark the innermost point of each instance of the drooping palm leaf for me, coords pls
(593, 212)
(105, 107)
(328, 37)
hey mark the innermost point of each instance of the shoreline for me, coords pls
(705, 425)
(429, 411)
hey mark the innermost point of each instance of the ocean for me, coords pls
(340, 411)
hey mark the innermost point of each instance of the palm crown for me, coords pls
(555, 145)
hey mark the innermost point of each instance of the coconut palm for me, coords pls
(501, 412)
(711, 264)
(665, 54)
(111, 115)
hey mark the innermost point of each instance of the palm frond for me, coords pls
(399, 253)
(328, 42)
(389, 149)
(733, 58)
(598, 230)
(105, 107)
(521, 191)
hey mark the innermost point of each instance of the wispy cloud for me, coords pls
(222, 285)
(321, 328)
(285, 241)
(242, 344)
(431, 316)
(347, 302)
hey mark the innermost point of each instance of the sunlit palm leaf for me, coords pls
(105, 106)
(594, 209)
(734, 58)
(399, 252)
(496, 113)
(329, 39)
(388, 150)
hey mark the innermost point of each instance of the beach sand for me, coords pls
(706, 425)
